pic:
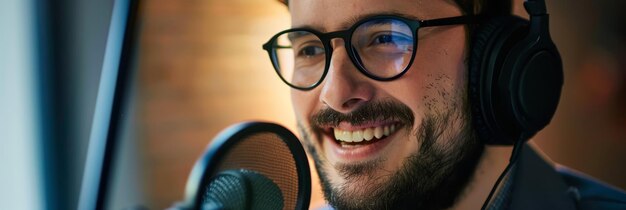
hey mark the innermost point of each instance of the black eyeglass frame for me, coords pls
(271, 46)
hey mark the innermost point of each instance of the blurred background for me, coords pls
(200, 68)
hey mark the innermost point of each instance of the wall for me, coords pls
(202, 69)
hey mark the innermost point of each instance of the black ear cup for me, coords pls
(486, 49)
(515, 78)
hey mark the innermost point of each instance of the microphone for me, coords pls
(250, 165)
(242, 189)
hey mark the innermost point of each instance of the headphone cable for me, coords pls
(517, 148)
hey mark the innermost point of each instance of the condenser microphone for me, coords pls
(250, 165)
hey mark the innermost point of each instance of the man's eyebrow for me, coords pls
(297, 34)
(352, 20)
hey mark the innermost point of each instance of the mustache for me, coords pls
(373, 111)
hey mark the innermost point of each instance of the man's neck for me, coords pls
(492, 163)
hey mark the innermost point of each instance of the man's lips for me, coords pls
(364, 134)
(351, 143)
(348, 133)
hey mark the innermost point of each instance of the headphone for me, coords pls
(515, 76)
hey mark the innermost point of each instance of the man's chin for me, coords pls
(371, 172)
(357, 187)
(361, 189)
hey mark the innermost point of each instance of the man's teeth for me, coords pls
(365, 134)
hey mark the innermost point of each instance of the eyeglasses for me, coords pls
(381, 47)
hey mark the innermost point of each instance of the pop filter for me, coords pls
(251, 165)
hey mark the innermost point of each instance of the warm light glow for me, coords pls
(202, 69)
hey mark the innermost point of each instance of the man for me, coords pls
(381, 100)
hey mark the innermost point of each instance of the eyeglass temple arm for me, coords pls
(467, 19)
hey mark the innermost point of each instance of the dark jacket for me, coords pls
(535, 184)
(539, 185)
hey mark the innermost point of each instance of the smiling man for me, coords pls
(380, 90)
(382, 144)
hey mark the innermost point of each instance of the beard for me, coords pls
(431, 178)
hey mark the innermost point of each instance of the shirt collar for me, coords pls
(537, 185)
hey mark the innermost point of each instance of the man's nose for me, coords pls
(345, 88)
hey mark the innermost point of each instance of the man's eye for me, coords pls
(392, 39)
(384, 39)
(310, 51)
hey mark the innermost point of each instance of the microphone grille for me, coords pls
(242, 189)
(268, 155)
(226, 189)
(264, 160)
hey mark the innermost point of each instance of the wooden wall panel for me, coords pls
(202, 69)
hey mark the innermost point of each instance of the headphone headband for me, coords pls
(535, 7)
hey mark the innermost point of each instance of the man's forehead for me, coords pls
(331, 15)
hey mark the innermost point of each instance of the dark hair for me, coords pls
(469, 7)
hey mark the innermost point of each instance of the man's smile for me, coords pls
(349, 135)
(347, 143)
(364, 134)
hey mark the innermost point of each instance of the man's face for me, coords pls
(423, 150)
